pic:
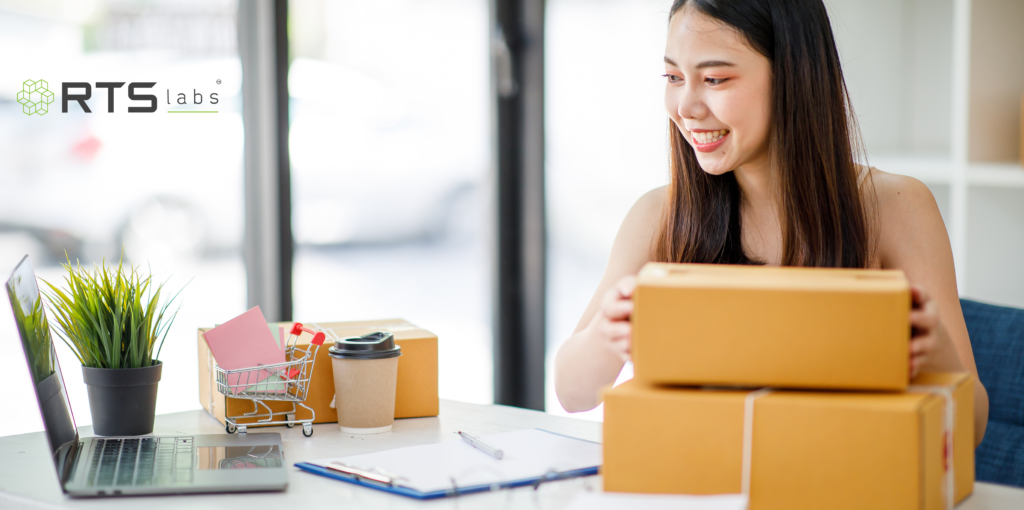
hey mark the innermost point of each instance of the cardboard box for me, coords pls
(809, 450)
(709, 324)
(416, 394)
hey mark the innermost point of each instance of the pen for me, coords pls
(481, 445)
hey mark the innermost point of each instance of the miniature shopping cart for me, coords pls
(287, 382)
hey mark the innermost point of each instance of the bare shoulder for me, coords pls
(902, 201)
(648, 208)
(907, 216)
(633, 243)
(900, 192)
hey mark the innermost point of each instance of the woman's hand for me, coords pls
(931, 349)
(610, 327)
(593, 356)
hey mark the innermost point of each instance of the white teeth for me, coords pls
(709, 136)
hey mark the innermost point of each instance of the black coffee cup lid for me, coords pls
(378, 345)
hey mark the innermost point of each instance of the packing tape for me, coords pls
(950, 421)
(748, 435)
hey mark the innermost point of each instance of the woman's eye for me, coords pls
(673, 78)
(715, 81)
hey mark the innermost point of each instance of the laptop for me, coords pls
(136, 465)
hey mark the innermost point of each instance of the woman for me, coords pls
(763, 171)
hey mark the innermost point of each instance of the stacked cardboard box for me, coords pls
(417, 373)
(837, 426)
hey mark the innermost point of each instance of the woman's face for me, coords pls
(718, 92)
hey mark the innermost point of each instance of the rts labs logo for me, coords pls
(34, 97)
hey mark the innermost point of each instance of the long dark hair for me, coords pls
(812, 141)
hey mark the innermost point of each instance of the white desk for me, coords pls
(28, 480)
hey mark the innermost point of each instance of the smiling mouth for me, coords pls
(707, 141)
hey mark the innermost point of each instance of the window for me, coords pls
(606, 143)
(163, 190)
(389, 160)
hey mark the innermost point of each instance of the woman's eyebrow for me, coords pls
(714, 63)
(705, 64)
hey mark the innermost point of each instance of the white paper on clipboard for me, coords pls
(528, 454)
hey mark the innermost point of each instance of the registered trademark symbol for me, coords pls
(218, 81)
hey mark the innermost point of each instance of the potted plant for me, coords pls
(111, 319)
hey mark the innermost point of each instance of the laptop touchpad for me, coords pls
(238, 457)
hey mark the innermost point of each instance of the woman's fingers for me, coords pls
(923, 323)
(626, 286)
(622, 291)
(621, 345)
(612, 322)
(918, 295)
(618, 310)
(920, 349)
(922, 345)
(617, 330)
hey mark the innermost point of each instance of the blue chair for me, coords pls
(997, 337)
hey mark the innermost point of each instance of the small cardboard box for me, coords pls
(808, 450)
(416, 394)
(709, 324)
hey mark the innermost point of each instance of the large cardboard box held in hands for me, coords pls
(709, 324)
(416, 394)
(809, 450)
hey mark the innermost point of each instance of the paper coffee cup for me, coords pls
(365, 380)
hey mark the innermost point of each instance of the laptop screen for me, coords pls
(42, 361)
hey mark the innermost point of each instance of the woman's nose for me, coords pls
(691, 105)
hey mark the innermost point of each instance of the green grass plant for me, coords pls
(110, 317)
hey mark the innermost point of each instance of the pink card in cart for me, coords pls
(243, 342)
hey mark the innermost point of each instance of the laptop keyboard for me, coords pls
(141, 461)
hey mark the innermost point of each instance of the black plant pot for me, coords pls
(122, 400)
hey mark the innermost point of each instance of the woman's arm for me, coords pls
(593, 356)
(913, 238)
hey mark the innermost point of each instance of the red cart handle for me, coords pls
(318, 336)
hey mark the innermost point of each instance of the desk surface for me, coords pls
(28, 480)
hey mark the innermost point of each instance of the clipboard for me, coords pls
(522, 465)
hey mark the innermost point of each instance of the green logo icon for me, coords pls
(34, 97)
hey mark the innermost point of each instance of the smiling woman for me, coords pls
(763, 159)
(729, 69)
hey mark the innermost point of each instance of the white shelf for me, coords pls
(938, 170)
(935, 85)
(925, 168)
(996, 175)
